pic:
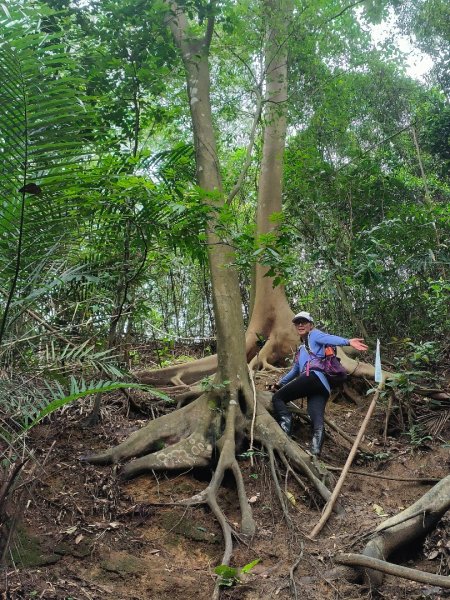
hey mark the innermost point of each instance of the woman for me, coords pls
(301, 382)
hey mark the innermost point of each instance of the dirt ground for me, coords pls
(85, 535)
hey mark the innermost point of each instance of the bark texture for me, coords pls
(408, 526)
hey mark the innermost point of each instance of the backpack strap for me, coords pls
(308, 350)
(306, 344)
(328, 350)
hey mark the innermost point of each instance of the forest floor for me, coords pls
(85, 535)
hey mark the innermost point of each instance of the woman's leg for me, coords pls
(282, 414)
(316, 410)
(300, 387)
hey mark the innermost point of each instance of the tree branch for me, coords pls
(345, 9)
(378, 476)
(176, 21)
(251, 143)
(210, 25)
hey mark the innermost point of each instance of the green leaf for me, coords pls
(249, 566)
(226, 571)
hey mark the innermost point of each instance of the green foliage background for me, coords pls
(112, 248)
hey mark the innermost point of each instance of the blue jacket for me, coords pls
(317, 341)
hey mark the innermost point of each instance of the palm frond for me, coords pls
(43, 113)
(435, 416)
(55, 398)
(172, 166)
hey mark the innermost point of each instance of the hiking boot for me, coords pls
(317, 441)
(285, 422)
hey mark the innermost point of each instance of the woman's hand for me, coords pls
(358, 344)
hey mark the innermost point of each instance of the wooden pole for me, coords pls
(329, 505)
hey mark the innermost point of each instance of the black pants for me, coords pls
(308, 386)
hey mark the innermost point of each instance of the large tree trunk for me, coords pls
(231, 409)
(232, 364)
(271, 314)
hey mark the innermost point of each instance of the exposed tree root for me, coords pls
(179, 375)
(278, 491)
(436, 394)
(194, 451)
(261, 363)
(362, 369)
(351, 395)
(271, 436)
(185, 397)
(291, 471)
(404, 528)
(292, 571)
(208, 425)
(196, 417)
(357, 368)
(425, 480)
(358, 560)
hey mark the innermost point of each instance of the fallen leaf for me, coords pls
(79, 537)
(290, 497)
(379, 510)
(70, 530)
